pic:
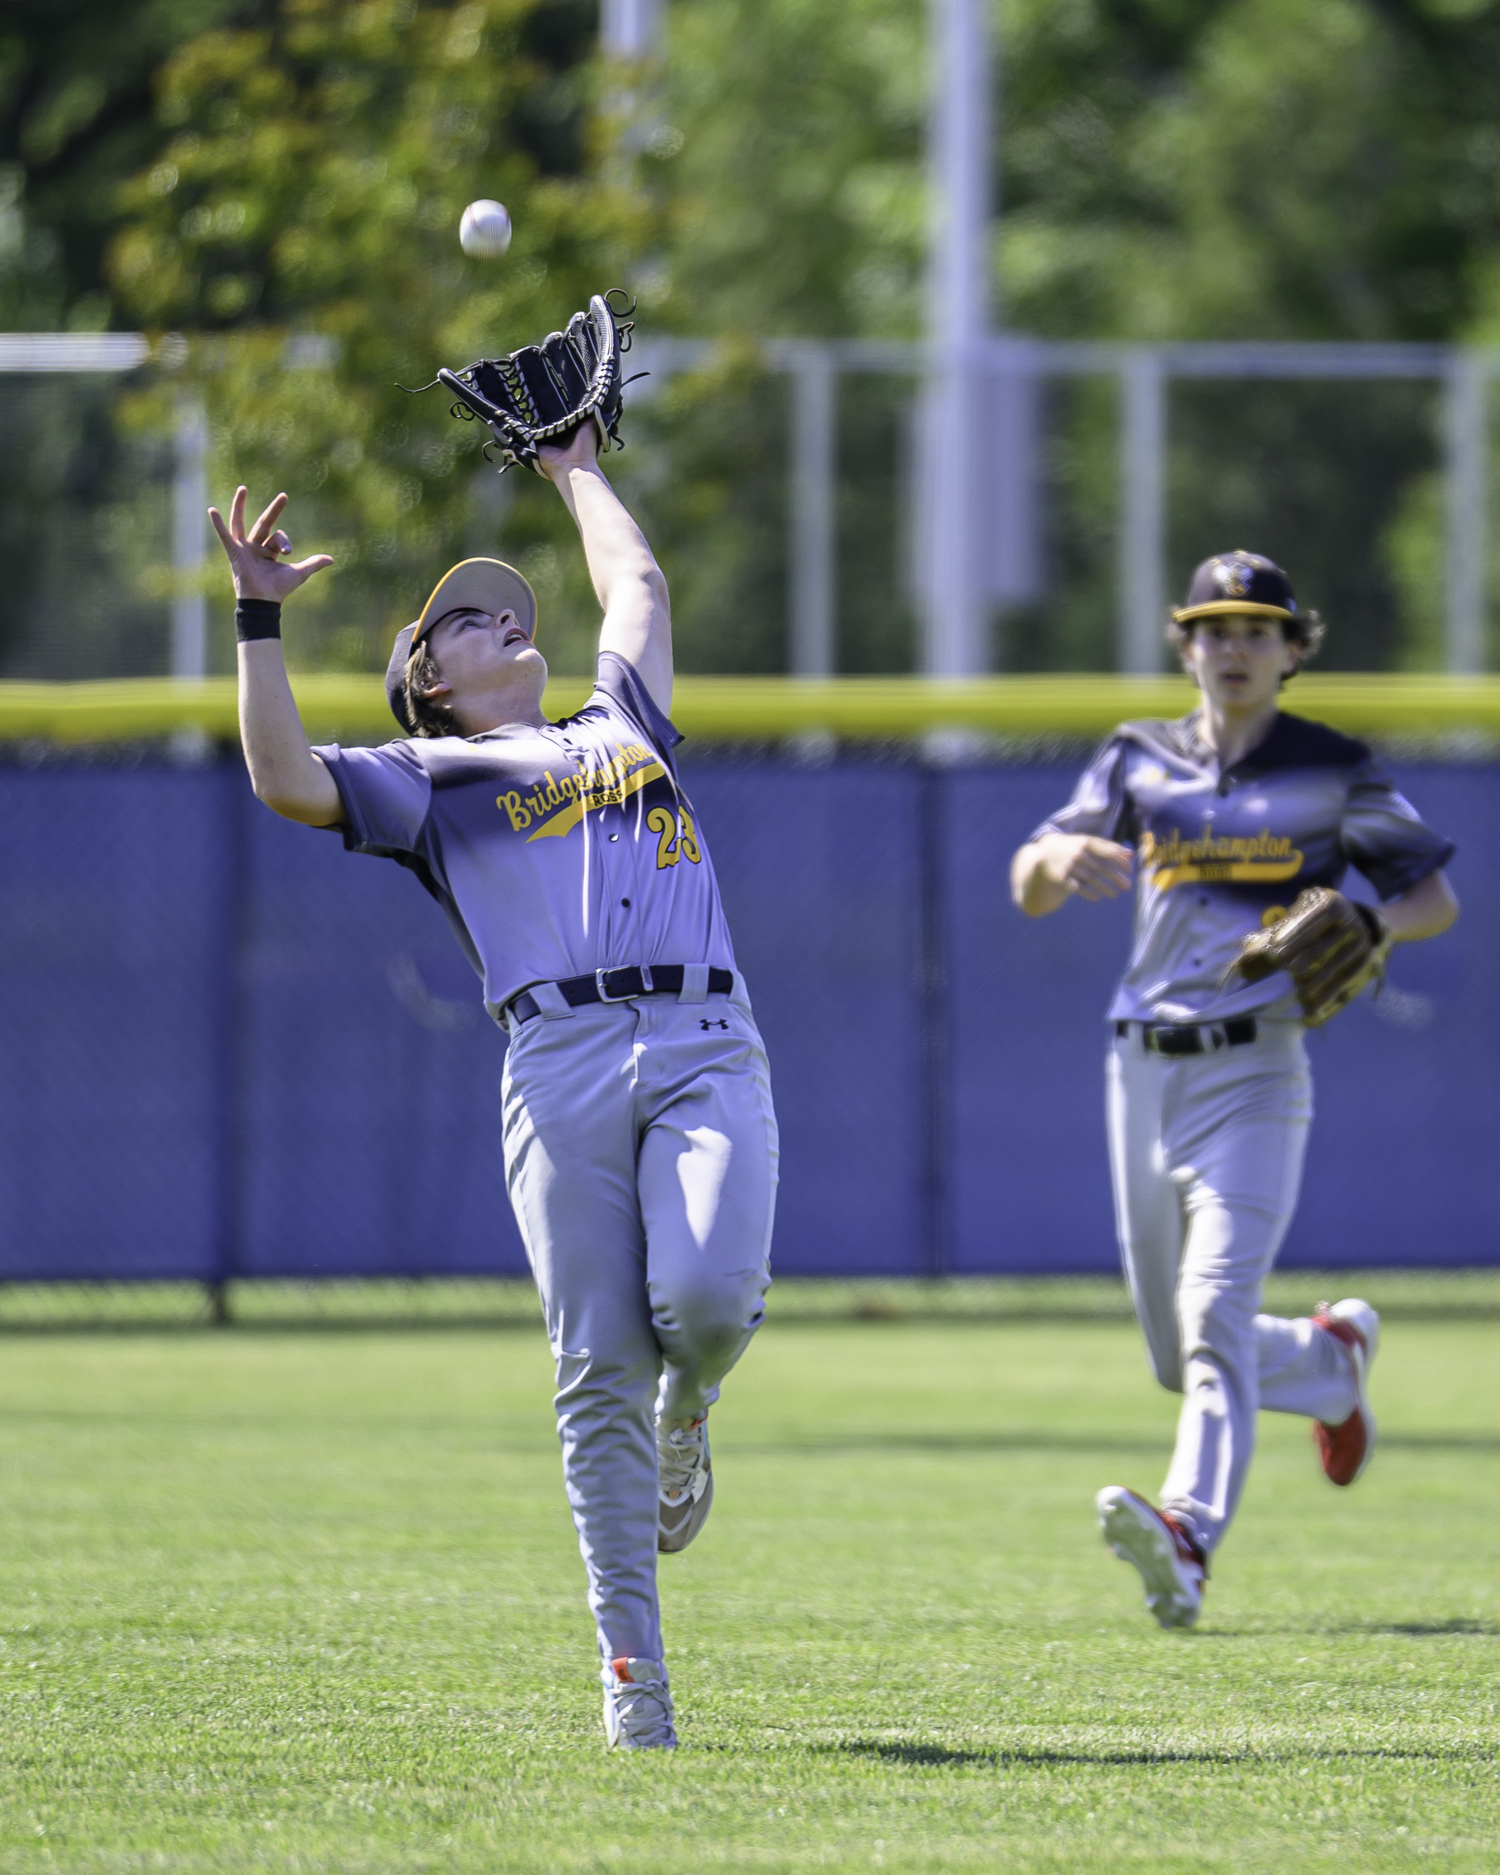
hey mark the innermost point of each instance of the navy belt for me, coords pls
(618, 986)
(1192, 1038)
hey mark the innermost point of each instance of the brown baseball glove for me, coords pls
(1332, 947)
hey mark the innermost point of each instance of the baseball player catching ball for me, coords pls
(1239, 823)
(639, 1137)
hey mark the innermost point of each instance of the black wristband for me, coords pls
(257, 618)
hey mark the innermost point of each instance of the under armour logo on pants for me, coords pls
(704, 1022)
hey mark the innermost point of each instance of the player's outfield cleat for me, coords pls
(1345, 1448)
(637, 1705)
(1171, 1565)
(685, 1483)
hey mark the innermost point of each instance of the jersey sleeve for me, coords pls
(1385, 838)
(386, 794)
(1101, 801)
(619, 682)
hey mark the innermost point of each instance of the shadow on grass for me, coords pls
(1420, 1630)
(897, 1751)
(1025, 1440)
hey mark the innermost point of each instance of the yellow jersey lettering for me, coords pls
(690, 839)
(1264, 858)
(676, 840)
(559, 803)
(594, 793)
(663, 823)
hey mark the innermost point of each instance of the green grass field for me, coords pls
(311, 1601)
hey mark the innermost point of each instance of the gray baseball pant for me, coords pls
(1206, 1155)
(641, 1159)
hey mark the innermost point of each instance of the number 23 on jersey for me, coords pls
(673, 842)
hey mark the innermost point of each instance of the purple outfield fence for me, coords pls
(233, 1050)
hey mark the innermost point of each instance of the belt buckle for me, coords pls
(643, 971)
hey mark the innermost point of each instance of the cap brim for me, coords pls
(1218, 606)
(479, 586)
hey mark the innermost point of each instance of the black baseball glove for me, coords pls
(541, 393)
(1332, 947)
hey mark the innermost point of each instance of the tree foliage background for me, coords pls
(280, 181)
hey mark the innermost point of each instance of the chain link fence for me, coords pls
(244, 1062)
(780, 487)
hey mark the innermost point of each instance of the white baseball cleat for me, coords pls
(637, 1705)
(1345, 1448)
(685, 1483)
(1170, 1563)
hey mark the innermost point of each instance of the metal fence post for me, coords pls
(933, 783)
(189, 526)
(1466, 501)
(227, 779)
(955, 612)
(813, 559)
(1143, 427)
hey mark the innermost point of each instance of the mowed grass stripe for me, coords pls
(313, 1602)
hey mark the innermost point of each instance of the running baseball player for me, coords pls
(1239, 823)
(639, 1138)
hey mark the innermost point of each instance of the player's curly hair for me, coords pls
(431, 719)
(1306, 631)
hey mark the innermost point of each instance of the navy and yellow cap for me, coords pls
(1238, 582)
(471, 586)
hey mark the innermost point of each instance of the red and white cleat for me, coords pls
(1171, 1565)
(1345, 1449)
(637, 1705)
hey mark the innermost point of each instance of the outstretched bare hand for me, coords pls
(255, 558)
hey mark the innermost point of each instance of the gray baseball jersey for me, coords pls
(554, 851)
(1215, 852)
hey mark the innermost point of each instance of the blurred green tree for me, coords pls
(1242, 168)
(1252, 168)
(299, 219)
(783, 158)
(75, 116)
(75, 528)
(1310, 169)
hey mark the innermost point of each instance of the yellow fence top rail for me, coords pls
(352, 708)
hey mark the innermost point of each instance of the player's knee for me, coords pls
(711, 1318)
(716, 1327)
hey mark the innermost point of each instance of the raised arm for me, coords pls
(284, 772)
(629, 583)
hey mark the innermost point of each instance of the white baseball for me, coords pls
(484, 231)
